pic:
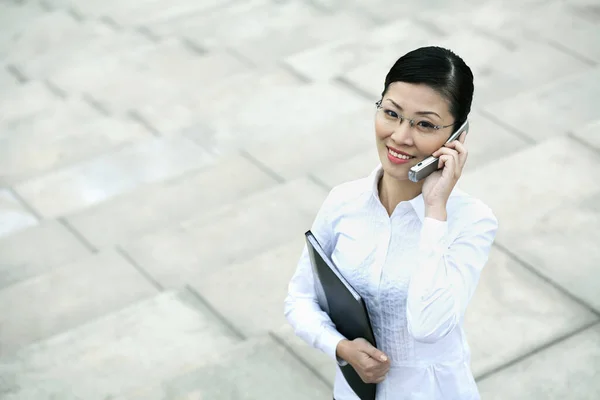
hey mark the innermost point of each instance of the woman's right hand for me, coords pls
(371, 364)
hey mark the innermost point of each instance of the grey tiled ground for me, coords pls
(160, 161)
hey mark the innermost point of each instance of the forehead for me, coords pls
(417, 97)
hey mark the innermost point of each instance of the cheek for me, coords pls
(428, 145)
(381, 132)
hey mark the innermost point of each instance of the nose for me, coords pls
(403, 133)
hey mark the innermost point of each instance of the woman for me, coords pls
(414, 251)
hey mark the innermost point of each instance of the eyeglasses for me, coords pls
(391, 118)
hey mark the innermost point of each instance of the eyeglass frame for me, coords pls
(412, 121)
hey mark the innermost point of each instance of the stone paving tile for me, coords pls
(589, 134)
(90, 55)
(16, 18)
(316, 359)
(177, 23)
(243, 25)
(343, 135)
(66, 297)
(160, 204)
(513, 312)
(74, 50)
(71, 189)
(236, 375)
(266, 50)
(524, 187)
(546, 212)
(140, 345)
(7, 81)
(13, 215)
(568, 369)
(552, 109)
(503, 71)
(193, 109)
(555, 23)
(270, 115)
(552, 241)
(51, 244)
(259, 283)
(52, 32)
(159, 77)
(233, 233)
(67, 132)
(25, 101)
(146, 12)
(383, 44)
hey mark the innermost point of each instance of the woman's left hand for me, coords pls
(438, 186)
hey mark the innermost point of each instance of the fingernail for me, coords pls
(383, 358)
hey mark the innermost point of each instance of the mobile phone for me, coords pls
(430, 164)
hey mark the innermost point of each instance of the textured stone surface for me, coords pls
(256, 287)
(257, 107)
(144, 343)
(268, 117)
(559, 244)
(73, 188)
(53, 243)
(589, 134)
(317, 360)
(235, 375)
(568, 369)
(336, 139)
(244, 229)
(25, 101)
(552, 109)
(13, 215)
(66, 297)
(60, 135)
(523, 187)
(123, 218)
(382, 43)
(513, 312)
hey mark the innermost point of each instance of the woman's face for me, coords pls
(401, 146)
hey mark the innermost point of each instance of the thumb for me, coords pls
(373, 352)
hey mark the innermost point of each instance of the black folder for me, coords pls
(345, 307)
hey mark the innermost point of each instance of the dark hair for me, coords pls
(440, 69)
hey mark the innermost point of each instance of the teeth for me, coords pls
(402, 156)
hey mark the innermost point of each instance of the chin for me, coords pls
(398, 172)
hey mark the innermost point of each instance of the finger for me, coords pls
(447, 162)
(463, 153)
(445, 151)
(373, 352)
(462, 137)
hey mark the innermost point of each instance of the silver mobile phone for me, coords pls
(430, 164)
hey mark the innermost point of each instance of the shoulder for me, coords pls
(467, 211)
(347, 196)
(350, 191)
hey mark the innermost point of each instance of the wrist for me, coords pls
(341, 349)
(436, 212)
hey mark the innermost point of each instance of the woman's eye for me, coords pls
(391, 113)
(426, 125)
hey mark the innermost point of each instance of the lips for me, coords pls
(399, 154)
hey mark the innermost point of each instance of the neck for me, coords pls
(393, 191)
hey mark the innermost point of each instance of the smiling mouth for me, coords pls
(402, 156)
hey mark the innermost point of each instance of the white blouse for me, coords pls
(416, 276)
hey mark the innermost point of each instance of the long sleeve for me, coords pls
(446, 275)
(302, 310)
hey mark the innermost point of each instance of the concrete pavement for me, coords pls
(159, 162)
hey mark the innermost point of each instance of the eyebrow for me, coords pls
(418, 112)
